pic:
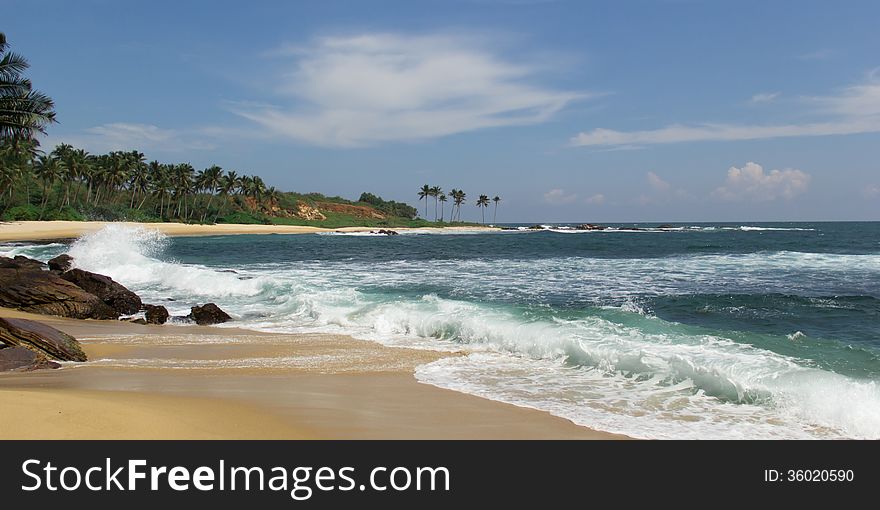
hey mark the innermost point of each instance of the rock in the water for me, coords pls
(61, 263)
(156, 314)
(38, 291)
(41, 339)
(110, 292)
(208, 314)
(589, 226)
(20, 359)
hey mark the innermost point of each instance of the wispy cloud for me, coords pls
(657, 184)
(871, 191)
(751, 183)
(373, 88)
(597, 199)
(127, 136)
(559, 196)
(854, 110)
(764, 97)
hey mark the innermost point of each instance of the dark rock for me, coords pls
(20, 262)
(666, 225)
(387, 232)
(61, 263)
(41, 339)
(26, 262)
(208, 314)
(21, 359)
(156, 314)
(590, 226)
(113, 294)
(38, 291)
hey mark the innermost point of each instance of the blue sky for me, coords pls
(669, 110)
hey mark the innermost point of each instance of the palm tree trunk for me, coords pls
(495, 214)
(205, 216)
(45, 198)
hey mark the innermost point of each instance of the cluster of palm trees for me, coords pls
(458, 197)
(81, 180)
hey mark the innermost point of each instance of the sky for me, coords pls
(570, 111)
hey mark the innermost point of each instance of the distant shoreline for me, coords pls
(44, 230)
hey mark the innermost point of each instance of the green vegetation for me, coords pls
(68, 183)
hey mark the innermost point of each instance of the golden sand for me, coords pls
(42, 230)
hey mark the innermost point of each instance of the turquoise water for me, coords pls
(694, 331)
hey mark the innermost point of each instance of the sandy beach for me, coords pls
(192, 382)
(43, 230)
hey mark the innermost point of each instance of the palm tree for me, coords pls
(424, 193)
(435, 192)
(458, 199)
(76, 162)
(442, 199)
(17, 159)
(210, 181)
(139, 180)
(227, 185)
(495, 214)
(182, 179)
(24, 112)
(452, 194)
(48, 169)
(483, 203)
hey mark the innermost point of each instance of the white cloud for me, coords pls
(558, 196)
(597, 199)
(764, 97)
(751, 183)
(127, 136)
(658, 184)
(854, 110)
(372, 88)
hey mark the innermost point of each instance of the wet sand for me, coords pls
(192, 382)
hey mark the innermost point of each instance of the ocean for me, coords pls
(697, 331)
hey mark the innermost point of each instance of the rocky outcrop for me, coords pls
(590, 226)
(61, 263)
(208, 314)
(20, 262)
(308, 212)
(385, 232)
(30, 289)
(20, 359)
(41, 339)
(116, 296)
(358, 211)
(155, 314)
